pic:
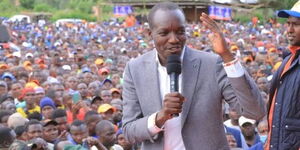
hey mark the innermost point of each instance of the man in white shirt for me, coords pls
(206, 79)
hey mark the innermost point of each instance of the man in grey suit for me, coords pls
(205, 81)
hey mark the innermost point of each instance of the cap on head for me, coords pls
(294, 12)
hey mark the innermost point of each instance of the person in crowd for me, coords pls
(91, 118)
(7, 137)
(106, 133)
(248, 129)
(47, 107)
(30, 107)
(283, 113)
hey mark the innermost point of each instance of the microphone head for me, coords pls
(173, 64)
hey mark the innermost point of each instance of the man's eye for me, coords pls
(162, 33)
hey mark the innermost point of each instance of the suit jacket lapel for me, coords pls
(152, 80)
(190, 71)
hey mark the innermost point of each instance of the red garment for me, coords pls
(79, 116)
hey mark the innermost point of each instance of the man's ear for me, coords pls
(148, 32)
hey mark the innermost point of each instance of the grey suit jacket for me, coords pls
(204, 85)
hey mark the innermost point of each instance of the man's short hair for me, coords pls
(31, 122)
(77, 123)
(166, 6)
(59, 113)
(89, 114)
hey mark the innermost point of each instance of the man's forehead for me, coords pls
(291, 18)
(166, 15)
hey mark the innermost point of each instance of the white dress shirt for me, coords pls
(172, 127)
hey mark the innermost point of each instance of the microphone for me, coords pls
(174, 70)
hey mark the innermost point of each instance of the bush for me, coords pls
(72, 14)
(42, 8)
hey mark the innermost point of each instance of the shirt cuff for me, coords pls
(234, 69)
(153, 129)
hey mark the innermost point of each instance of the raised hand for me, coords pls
(217, 39)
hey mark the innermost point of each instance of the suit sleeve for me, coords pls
(135, 124)
(241, 93)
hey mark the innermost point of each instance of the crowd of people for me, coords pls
(61, 85)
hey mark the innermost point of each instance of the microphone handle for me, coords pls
(174, 86)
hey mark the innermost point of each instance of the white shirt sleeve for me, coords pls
(153, 129)
(234, 70)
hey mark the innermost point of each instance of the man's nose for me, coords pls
(173, 38)
(290, 28)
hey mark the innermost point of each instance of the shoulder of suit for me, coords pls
(142, 57)
(202, 55)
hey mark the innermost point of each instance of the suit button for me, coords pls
(271, 146)
(280, 82)
(273, 126)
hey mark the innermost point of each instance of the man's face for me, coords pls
(87, 77)
(293, 31)
(3, 90)
(79, 133)
(262, 84)
(9, 106)
(16, 90)
(62, 124)
(91, 123)
(108, 137)
(106, 96)
(248, 129)
(231, 141)
(82, 88)
(123, 142)
(39, 96)
(35, 131)
(50, 133)
(72, 83)
(168, 32)
(4, 120)
(47, 111)
(29, 97)
(233, 114)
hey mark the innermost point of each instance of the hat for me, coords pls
(17, 54)
(47, 101)
(105, 107)
(31, 85)
(107, 80)
(26, 63)
(243, 120)
(103, 70)
(15, 120)
(29, 55)
(4, 66)
(2, 83)
(99, 61)
(294, 12)
(115, 90)
(108, 60)
(39, 90)
(8, 75)
(66, 67)
(86, 69)
(40, 61)
(234, 48)
(49, 122)
(96, 98)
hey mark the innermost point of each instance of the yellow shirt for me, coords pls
(22, 111)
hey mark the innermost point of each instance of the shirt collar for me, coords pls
(294, 49)
(181, 56)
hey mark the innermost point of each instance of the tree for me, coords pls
(28, 4)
